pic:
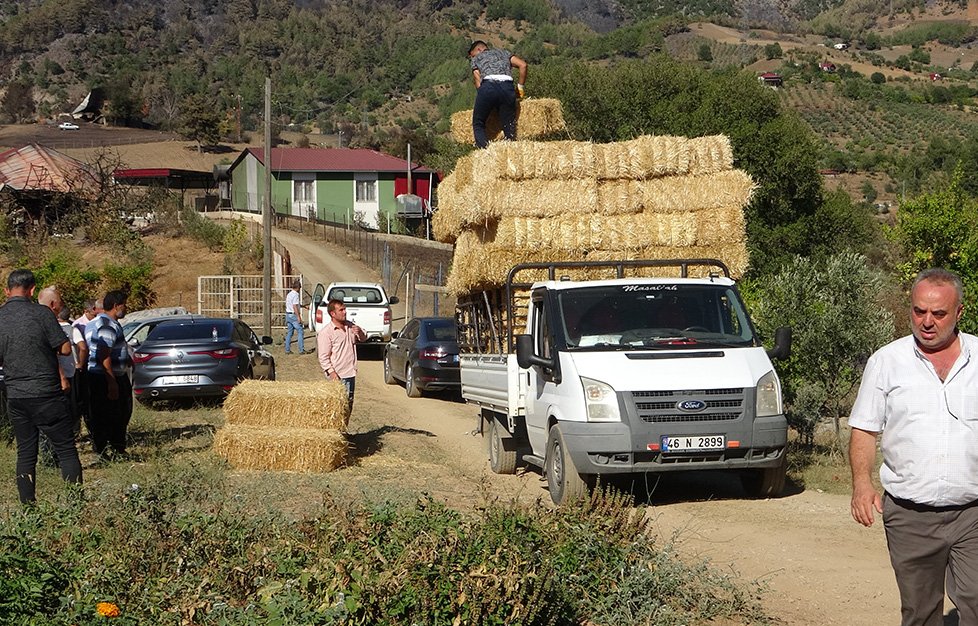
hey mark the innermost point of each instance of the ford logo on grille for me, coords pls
(691, 406)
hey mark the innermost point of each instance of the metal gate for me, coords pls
(242, 297)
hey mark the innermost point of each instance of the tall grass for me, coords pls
(175, 541)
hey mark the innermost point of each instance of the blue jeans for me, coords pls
(351, 385)
(499, 96)
(293, 326)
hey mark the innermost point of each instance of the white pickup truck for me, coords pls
(367, 306)
(623, 375)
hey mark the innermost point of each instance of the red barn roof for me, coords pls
(332, 160)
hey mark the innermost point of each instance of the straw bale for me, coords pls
(734, 255)
(478, 264)
(524, 160)
(289, 449)
(648, 156)
(277, 404)
(535, 118)
(710, 154)
(594, 232)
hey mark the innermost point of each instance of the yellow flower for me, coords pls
(107, 609)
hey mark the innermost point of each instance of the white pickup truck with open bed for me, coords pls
(367, 305)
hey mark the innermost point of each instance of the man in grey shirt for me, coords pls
(493, 76)
(30, 342)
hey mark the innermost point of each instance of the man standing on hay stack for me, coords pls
(492, 73)
(337, 347)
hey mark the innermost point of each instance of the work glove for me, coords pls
(520, 92)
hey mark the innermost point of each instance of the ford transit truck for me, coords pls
(606, 377)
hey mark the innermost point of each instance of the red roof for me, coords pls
(333, 160)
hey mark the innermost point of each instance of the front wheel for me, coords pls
(563, 481)
(410, 384)
(501, 460)
(767, 482)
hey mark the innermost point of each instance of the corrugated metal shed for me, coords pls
(37, 168)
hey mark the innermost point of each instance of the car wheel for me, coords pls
(563, 481)
(501, 460)
(767, 482)
(410, 384)
(388, 374)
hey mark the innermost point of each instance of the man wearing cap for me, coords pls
(493, 76)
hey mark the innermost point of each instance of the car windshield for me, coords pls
(201, 329)
(653, 316)
(360, 295)
(442, 330)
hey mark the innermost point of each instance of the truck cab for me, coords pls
(633, 375)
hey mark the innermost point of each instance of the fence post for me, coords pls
(438, 283)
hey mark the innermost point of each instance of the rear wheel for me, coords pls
(410, 384)
(388, 374)
(564, 482)
(501, 460)
(767, 482)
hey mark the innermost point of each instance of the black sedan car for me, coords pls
(424, 355)
(198, 357)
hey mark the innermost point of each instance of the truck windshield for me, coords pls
(658, 316)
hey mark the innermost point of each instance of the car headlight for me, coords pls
(769, 395)
(601, 401)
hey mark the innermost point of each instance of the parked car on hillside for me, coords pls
(68, 126)
(198, 357)
(424, 355)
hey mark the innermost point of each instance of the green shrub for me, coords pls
(170, 543)
(834, 307)
(207, 231)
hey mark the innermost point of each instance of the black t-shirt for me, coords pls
(29, 338)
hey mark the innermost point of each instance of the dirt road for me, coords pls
(819, 566)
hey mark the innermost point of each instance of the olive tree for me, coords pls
(940, 229)
(835, 309)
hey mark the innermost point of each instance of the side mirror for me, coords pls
(525, 356)
(266, 340)
(782, 344)
(392, 300)
(394, 335)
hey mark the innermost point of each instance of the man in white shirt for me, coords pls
(293, 318)
(921, 393)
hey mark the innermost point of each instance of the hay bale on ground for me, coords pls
(286, 449)
(536, 118)
(277, 404)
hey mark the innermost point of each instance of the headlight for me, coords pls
(601, 401)
(769, 395)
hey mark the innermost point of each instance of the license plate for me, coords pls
(189, 379)
(685, 443)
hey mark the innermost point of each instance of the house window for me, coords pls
(366, 191)
(302, 191)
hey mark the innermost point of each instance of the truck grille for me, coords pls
(662, 406)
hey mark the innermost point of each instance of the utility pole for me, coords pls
(237, 120)
(266, 214)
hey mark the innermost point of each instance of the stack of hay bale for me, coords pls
(654, 197)
(292, 426)
(536, 118)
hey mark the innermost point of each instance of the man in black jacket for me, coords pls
(30, 341)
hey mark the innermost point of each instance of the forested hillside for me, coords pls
(386, 72)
